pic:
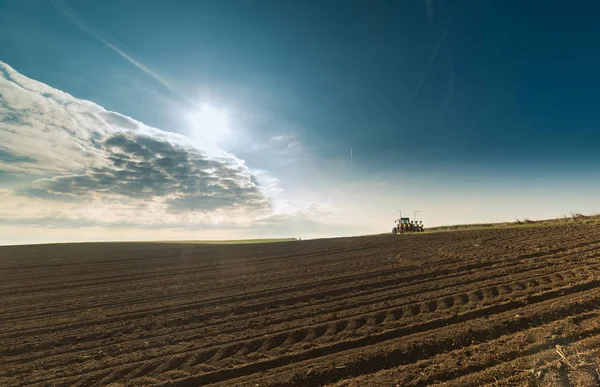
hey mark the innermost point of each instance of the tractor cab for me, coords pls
(401, 225)
(405, 225)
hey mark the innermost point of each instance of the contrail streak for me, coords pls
(429, 4)
(75, 18)
(431, 60)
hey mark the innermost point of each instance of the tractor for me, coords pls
(406, 225)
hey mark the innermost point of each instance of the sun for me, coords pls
(209, 125)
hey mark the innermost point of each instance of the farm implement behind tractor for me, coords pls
(406, 225)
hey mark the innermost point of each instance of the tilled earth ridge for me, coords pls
(515, 306)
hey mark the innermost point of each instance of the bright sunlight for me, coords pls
(209, 125)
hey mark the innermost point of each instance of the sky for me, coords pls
(148, 119)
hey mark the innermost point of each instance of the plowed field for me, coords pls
(516, 306)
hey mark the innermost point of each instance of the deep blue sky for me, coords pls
(514, 80)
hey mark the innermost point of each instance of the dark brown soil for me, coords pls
(516, 306)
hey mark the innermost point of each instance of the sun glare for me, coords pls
(209, 125)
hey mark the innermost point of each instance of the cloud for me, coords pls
(145, 167)
(77, 19)
(8, 157)
(116, 119)
(286, 142)
(287, 149)
(76, 161)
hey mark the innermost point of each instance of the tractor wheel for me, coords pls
(394, 231)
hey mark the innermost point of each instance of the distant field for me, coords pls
(566, 220)
(232, 242)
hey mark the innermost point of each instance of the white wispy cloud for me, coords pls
(74, 160)
(78, 19)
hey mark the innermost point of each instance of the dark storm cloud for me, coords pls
(143, 167)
